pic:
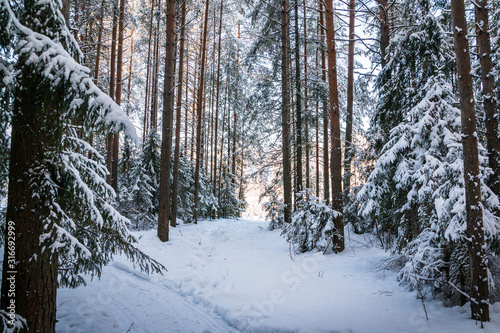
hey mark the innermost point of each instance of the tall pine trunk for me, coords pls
(336, 154)
(166, 138)
(112, 78)
(490, 102)
(475, 229)
(285, 118)
(148, 76)
(306, 112)
(298, 103)
(175, 189)
(324, 101)
(199, 113)
(217, 97)
(118, 93)
(384, 30)
(35, 281)
(348, 155)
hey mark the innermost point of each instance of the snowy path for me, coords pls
(236, 276)
(126, 302)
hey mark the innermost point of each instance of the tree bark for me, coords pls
(475, 229)
(148, 76)
(217, 96)
(34, 281)
(490, 102)
(298, 102)
(173, 221)
(384, 30)
(199, 111)
(118, 93)
(99, 43)
(166, 138)
(112, 78)
(306, 113)
(285, 118)
(324, 101)
(66, 4)
(317, 126)
(155, 77)
(336, 154)
(348, 155)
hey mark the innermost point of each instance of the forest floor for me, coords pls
(236, 276)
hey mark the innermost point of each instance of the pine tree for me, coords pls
(334, 108)
(58, 199)
(144, 191)
(475, 224)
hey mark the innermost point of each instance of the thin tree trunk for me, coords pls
(112, 78)
(175, 189)
(384, 30)
(235, 114)
(317, 126)
(196, 77)
(99, 43)
(156, 70)
(490, 103)
(285, 118)
(324, 101)
(166, 139)
(475, 228)
(222, 146)
(241, 190)
(187, 100)
(298, 103)
(306, 113)
(148, 75)
(336, 154)
(199, 111)
(350, 101)
(118, 93)
(217, 94)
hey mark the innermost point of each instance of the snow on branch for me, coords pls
(56, 65)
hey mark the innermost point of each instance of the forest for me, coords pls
(233, 162)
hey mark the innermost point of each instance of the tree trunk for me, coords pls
(324, 101)
(112, 78)
(118, 93)
(350, 101)
(66, 5)
(490, 103)
(155, 77)
(99, 43)
(287, 181)
(173, 221)
(33, 282)
(131, 60)
(384, 30)
(336, 154)
(187, 100)
(148, 76)
(199, 112)
(166, 138)
(298, 102)
(222, 145)
(306, 113)
(317, 123)
(475, 229)
(217, 96)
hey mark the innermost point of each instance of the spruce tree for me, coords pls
(58, 199)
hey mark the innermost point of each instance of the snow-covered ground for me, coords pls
(236, 276)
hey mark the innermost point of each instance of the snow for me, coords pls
(237, 276)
